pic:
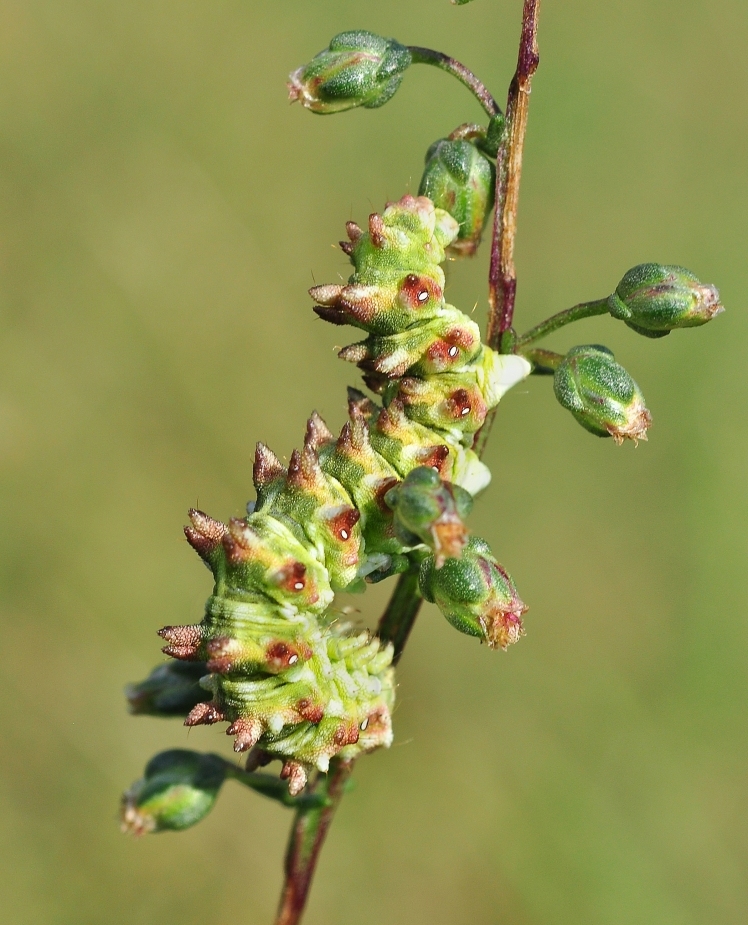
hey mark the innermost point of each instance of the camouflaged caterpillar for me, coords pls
(290, 681)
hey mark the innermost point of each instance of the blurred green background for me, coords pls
(163, 211)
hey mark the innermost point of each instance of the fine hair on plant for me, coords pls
(389, 495)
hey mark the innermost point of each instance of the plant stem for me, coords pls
(312, 823)
(545, 361)
(502, 280)
(458, 70)
(307, 837)
(576, 313)
(400, 614)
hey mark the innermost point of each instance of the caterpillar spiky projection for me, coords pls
(388, 492)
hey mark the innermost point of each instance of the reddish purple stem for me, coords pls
(502, 279)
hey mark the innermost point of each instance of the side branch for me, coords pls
(576, 313)
(502, 280)
(458, 70)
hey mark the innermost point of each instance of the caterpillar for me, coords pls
(290, 680)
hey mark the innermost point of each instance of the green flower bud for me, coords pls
(428, 510)
(179, 788)
(460, 179)
(358, 69)
(171, 689)
(475, 594)
(601, 395)
(653, 300)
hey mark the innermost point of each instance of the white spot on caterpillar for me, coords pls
(343, 534)
(423, 295)
(299, 586)
(363, 725)
(293, 659)
(453, 351)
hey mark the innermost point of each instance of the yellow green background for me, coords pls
(162, 213)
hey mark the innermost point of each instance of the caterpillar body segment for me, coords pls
(289, 680)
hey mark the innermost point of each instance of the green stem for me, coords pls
(274, 788)
(398, 618)
(544, 361)
(307, 837)
(583, 310)
(458, 70)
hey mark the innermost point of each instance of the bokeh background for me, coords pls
(163, 211)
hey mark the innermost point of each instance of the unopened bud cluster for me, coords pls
(654, 300)
(459, 178)
(601, 395)
(358, 68)
(475, 594)
(177, 790)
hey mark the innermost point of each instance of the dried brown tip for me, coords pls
(376, 230)
(205, 534)
(355, 434)
(636, 427)
(204, 714)
(356, 353)
(247, 732)
(317, 432)
(295, 774)
(184, 642)
(304, 471)
(267, 467)
(326, 295)
(353, 231)
(346, 247)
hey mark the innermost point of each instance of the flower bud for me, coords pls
(475, 594)
(358, 69)
(179, 788)
(459, 178)
(601, 395)
(428, 510)
(171, 689)
(653, 300)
